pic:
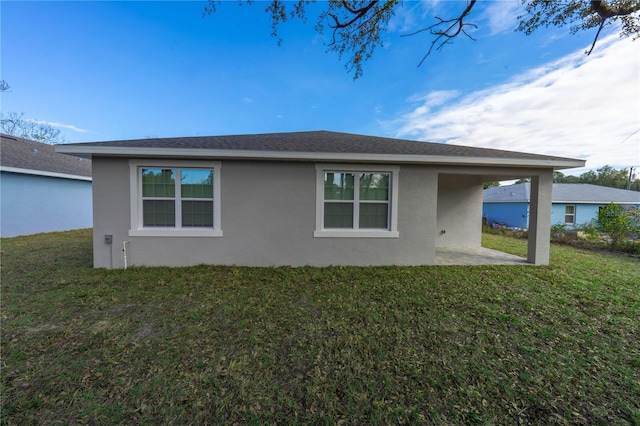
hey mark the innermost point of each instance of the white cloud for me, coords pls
(501, 16)
(59, 125)
(417, 15)
(408, 16)
(435, 98)
(579, 106)
(402, 21)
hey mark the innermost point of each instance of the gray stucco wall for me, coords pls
(268, 219)
(459, 211)
(110, 210)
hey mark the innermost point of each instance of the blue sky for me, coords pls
(126, 70)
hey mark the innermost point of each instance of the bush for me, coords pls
(617, 223)
(634, 218)
(558, 228)
(559, 232)
(590, 230)
(629, 246)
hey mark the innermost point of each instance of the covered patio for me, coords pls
(459, 212)
(476, 256)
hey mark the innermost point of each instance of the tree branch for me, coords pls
(605, 11)
(443, 37)
(600, 27)
(358, 13)
(359, 26)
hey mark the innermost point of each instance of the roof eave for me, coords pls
(44, 173)
(111, 151)
(603, 201)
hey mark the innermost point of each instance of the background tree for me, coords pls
(355, 27)
(15, 125)
(4, 86)
(559, 177)
(488, 185)
(604, 176)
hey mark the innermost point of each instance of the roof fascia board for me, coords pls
(596, 202)
(314, 156)
(509, 202)
(43, 173)
(564, 202)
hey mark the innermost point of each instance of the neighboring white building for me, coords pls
(41, 190)
(303, 198)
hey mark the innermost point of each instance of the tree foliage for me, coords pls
(582, 15)
(604, 176)
(4, 86)
(355, 27)
(616, 222)
(15, 124)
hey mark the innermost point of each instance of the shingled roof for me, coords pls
(314, 145)
(27, 156)
(563, 193)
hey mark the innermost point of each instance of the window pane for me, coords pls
(196, 183)
(158, 183)
(569, 214)
(158, 213)
(374, 215)
(374, 186)
(338, 215)
(197, 213)
(338, 186)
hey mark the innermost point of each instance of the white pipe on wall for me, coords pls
(124, 252)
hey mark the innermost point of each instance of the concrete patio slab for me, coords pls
(476, 256)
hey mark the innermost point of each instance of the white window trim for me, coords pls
(135, 191)
(573, 214)
(392, 232)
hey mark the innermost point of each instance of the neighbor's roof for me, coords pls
(315, 146)
(18, 155)
(582, 193)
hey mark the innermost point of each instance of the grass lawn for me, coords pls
(381, 345)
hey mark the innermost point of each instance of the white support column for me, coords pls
(540, 218)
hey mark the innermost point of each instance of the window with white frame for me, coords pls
(176, 199)
(570, 215)
(356, 201)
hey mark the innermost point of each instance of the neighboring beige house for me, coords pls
(304, 198)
